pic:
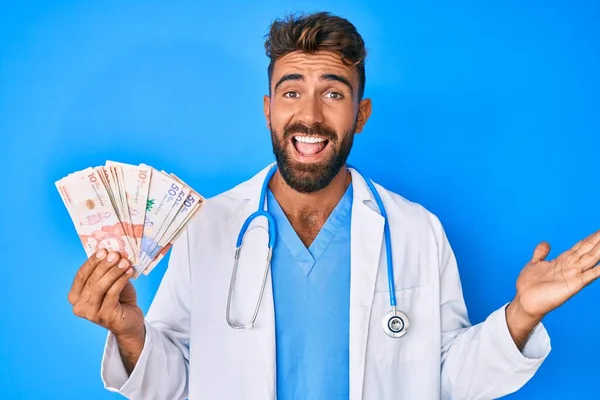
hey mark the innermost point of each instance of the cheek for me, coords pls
(280, 111)
(340, 119)
(278, 124)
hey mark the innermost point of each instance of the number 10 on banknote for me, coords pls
(134, 210)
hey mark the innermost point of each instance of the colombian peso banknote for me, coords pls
(133, 209)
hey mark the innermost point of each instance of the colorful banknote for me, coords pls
(135, 210)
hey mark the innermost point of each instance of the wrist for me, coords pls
(131, 346)
(520, 324)
(518, 318)
(133, 336)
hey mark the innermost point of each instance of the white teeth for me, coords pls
(309, 139)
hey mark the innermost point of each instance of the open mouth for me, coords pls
(309, 145)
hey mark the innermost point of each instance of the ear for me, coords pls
(266, 110)
(364, 112)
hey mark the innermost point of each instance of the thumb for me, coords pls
(540, 252)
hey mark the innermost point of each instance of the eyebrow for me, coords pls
(338, 78)
(325, 77)
(288, 77)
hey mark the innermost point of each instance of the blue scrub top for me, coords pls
(311, 290)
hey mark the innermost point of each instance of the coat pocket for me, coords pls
(416, 345)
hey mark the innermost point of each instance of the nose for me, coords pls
(312, 111)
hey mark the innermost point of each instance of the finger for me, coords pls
(89, 292)
(114, 292)
(541, 252)
(99, 290)
(591, 258)
(84, 273)
(584, 245)
(591, 275)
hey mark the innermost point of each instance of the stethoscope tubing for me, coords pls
(401, 320)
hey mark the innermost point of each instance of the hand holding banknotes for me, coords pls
(102, 293)
(127, 217)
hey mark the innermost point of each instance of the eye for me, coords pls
(291, 94)
(334, 95)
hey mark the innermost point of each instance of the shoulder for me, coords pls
(221, 208)
(408, 214)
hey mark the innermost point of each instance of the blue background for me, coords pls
(485, 114)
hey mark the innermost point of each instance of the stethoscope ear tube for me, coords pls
(236, 260)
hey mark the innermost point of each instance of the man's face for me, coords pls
(313, 113)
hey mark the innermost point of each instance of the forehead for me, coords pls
(312, 66)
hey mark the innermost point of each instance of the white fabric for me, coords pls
(191, 351)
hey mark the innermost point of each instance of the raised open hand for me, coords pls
(543, 285)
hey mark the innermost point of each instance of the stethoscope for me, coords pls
(395, 323)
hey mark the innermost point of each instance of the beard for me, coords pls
(311, 177)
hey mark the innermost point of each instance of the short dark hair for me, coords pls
(320, 31)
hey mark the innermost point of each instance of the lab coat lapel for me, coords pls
(366, 246)
(249, 280)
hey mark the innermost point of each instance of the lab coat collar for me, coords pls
(367, 227)
(250, 189)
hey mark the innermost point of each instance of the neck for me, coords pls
(308, 212)
(321, 202)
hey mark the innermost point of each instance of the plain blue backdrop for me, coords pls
(488, 115)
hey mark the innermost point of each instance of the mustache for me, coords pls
(317, 129)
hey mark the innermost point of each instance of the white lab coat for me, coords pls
(191, 351)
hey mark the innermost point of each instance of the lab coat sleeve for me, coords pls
(480, 361)
(162, 369)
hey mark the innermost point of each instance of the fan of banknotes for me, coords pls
(135, 210)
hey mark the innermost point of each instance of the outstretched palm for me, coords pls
(543, 285)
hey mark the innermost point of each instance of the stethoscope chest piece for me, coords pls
(395, 324)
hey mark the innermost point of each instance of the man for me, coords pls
(318, 332)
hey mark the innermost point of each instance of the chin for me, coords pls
(308, 176)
